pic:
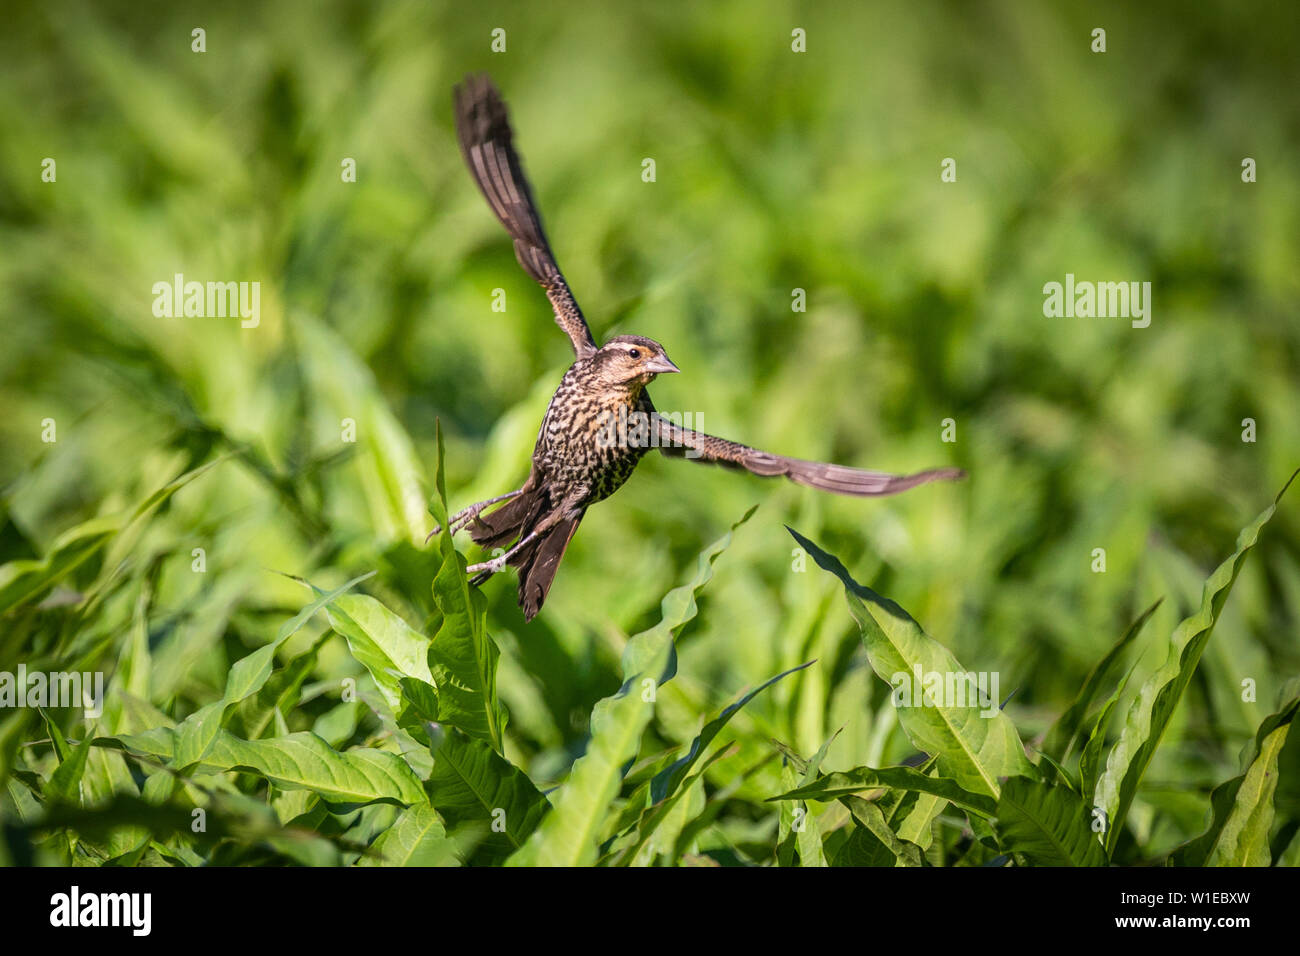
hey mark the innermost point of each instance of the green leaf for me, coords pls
(122, 544)
(390, 473)
(382, 642)
(462, 657)
(301, 761)
(808, 840)
(1090, 759)
(1048, 826)
(1242, 808)
(279, 695)
(471, 783)
(666, 782)
(832, 786)
(666, 787)
(973, 749)
(657, 829)
(57, 740)
(1060, 739)
(571, 833)
(911, 813)
(870, 817)
(676, 609)
(416, 838)
(65, 783)
(197, 732)
(22, 580)
(1150, 713)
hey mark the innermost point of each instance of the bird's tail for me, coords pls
(536, 561)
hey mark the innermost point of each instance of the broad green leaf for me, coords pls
(862, 849)
(382, 642)
(154, 742)
(832, 786)
(870, 817)
(973, 748)
(1048, 826)
(472, 783)
(417, 838)
(303, 761)
(197, 732)
(1242, 808)
(1150, 712)
(300, 761)
(1060, 739)
(462, 658)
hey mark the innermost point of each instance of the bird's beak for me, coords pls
(661, 365)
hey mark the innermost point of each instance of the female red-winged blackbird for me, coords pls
(600, 421)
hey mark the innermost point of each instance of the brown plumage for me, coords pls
(600, 422)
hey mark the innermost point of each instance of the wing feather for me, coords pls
(676, 441)
(486, 141)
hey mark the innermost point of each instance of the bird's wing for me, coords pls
(483, 128)
(676, 441)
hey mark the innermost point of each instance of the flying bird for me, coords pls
(600, 422)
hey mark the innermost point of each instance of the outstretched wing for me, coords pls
(483, 128)
(676, 441)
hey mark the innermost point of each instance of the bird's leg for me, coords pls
(489, 568)
(498, 563)
(463, 517)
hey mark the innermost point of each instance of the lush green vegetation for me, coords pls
(184, 509)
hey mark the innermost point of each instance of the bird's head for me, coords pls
(631, 360)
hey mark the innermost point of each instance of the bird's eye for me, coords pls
(635, 353)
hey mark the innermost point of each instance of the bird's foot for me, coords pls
(462, 518)
(488, 568)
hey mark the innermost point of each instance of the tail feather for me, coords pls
(539, 562)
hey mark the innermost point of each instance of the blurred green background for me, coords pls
(775, 171)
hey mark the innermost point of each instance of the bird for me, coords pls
(600, 422)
